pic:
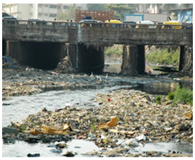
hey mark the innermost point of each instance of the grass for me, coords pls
(162, 56)
(112, 50)
(183, 94)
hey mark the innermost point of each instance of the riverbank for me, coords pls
(127, 116)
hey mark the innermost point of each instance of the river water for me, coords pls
(17, 108)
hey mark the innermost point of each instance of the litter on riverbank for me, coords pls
(130, 115)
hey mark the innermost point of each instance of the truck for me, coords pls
(95, 15)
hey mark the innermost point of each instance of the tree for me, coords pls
(186, 5)
(96, 7)
(67, 14)
(167, 7)
(120, 10)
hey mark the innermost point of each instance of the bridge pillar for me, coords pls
(12, 48)
(133, 60)
(182, 57)
(141, 59)
(186, 61)
(87, 58)
(4, 47)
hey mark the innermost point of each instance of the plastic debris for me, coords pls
(91, 136)
(168, 129)
(132, 142)
(121, 132)
(141, 137)
(188, 116)
(35, 131)
(112, 123)
(109, 99)
(54, 130)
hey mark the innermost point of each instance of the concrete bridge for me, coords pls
(44, 44)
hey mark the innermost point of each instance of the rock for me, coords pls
(115, 151)
(176, 155)
(32, 139)
(9, 130)
(92, 153)
(61, 145)
(55, 150)
(69, 154)
(33, 155)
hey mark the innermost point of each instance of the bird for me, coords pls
(91, 74)
(106, 75)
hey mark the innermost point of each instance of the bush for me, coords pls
(162, 56)
(112, 50)
(158, 99)
(171, 96)
(184, 95)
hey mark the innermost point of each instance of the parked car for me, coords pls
(114, 21)
(10, 18)
(147, 24)
(168, 24)
(87, 22)
(130, 22)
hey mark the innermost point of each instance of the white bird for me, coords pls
(91, 74)
(106, 75)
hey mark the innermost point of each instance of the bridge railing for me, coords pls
(93, 24)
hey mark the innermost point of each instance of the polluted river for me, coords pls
(93, 98)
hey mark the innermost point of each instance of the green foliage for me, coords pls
(96, 7)
(68, 14)
(158, 99)
(120, 10)
(112, 50)
(93, 127)
(171, 96)
(184, 95)
(163, 56)
(23, 128)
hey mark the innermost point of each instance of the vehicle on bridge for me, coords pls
(36, 21)
(146, 24)
(62, 22)
(10, 18)
(114, 21)
(168, 24)
(130, 22)
(88, 22)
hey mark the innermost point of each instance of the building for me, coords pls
(37, 11)
(182, 15)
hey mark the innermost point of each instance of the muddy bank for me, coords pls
(32, 81)
(127, 116)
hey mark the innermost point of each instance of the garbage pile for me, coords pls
(122, 114)
(65, 66)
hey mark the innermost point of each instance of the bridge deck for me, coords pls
(95, 33)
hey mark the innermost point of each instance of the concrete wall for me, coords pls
(112, 35)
